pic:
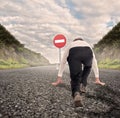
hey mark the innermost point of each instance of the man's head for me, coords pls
(78, 39)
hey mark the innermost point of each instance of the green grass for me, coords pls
(109, 64)
(10, 63)
(12, 66)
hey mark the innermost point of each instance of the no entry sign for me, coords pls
(59, 41)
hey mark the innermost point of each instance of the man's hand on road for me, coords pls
(97, 81)
(59, 81)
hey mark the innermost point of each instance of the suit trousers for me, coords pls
(80, 63)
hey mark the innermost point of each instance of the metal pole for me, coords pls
(59, 56)
(58, 65)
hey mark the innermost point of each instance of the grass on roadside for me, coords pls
(10, 63)
(109, 64)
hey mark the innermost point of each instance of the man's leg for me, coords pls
(75, 75)
(85, 74)
(87, 64)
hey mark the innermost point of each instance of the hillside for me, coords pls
(14, 54)
(108, 48)
(111, 39)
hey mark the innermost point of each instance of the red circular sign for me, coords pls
(59, 41)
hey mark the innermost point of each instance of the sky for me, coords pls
(35, 23)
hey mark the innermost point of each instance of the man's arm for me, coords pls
(61, 67)
(63, 62)
(96, 71)
(95, 66)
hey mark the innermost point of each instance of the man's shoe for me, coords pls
(82, 88)
(77, 100)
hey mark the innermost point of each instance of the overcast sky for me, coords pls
(36, 22)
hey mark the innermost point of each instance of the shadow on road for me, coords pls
(108, 96)
(104, 95)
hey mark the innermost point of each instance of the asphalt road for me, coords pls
(28, 93)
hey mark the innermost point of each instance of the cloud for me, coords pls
(36, 22)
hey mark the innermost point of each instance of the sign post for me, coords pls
(59, 41)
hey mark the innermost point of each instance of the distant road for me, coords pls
(28, 93)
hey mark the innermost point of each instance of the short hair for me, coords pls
(78, 39)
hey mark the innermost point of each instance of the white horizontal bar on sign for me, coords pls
(60, 41)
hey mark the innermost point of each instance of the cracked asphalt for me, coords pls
(28, 93)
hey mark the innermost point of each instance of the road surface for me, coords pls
(28, 93)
